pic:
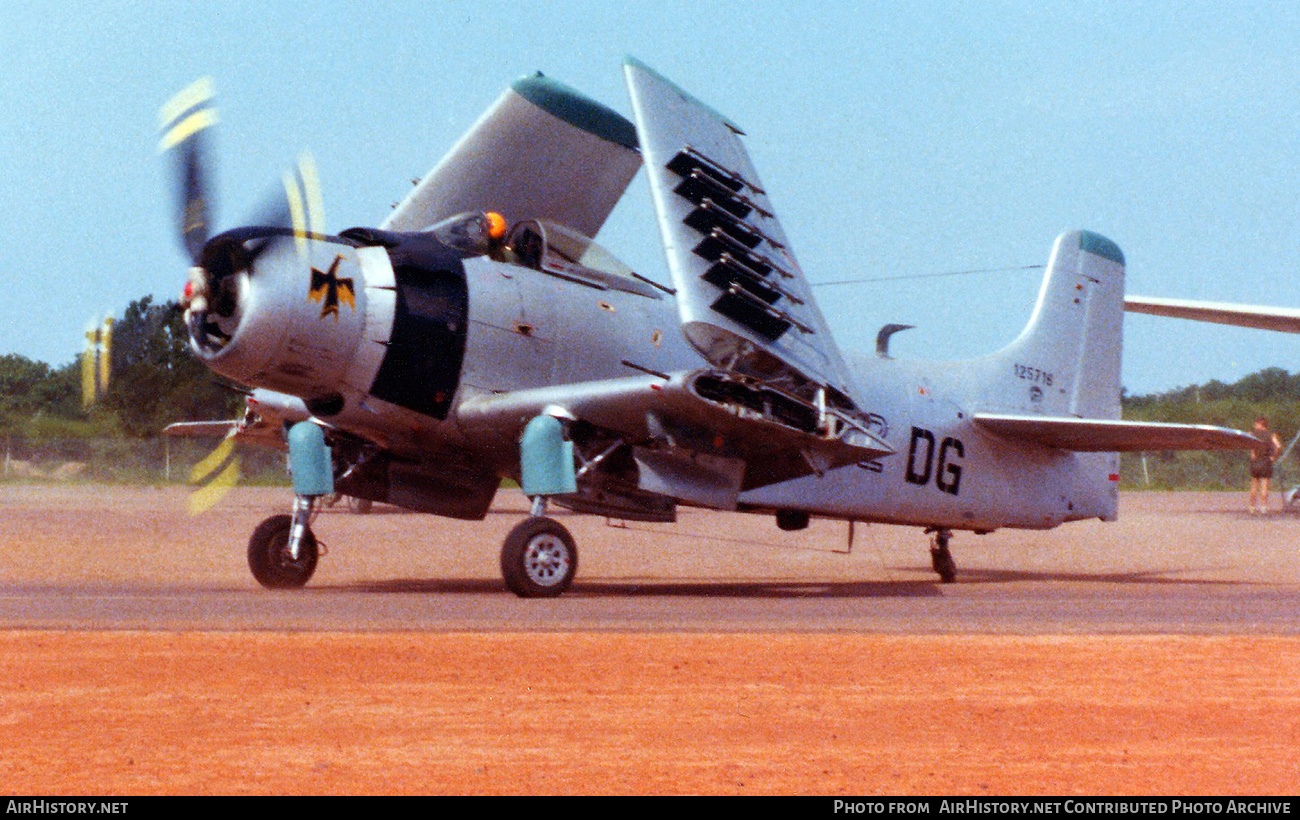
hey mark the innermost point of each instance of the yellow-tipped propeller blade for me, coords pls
(306, 203)
(187, 113)
(215, 476)
(96, 362)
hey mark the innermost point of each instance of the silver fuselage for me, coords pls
(528, 330)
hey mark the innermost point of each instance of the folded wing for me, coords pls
(542, 151)
(682, 435)
(744, 301)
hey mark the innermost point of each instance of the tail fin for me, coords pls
(1067, 359)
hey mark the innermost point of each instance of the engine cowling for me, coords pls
(289, 315)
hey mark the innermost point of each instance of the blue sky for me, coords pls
(896, 140)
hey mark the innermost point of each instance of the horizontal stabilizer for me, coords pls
(1105, 436)
(266, 415)
(261, 434)
(1285, 320)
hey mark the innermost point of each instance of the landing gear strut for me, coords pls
(539, 557)
(940, 557)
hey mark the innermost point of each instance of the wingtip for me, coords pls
(575, 108)
(631, 63)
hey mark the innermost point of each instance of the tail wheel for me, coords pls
(941, 557)
(269, 559)
(539, 559)
(944, 565)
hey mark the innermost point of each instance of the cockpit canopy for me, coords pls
(543, 246)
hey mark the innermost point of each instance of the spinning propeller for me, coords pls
(221, 263)
(96, 361)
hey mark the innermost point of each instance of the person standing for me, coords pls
(1261, 464)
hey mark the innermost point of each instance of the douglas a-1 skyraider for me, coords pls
(479, 333)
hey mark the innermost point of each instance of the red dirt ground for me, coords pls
(127, 713)
(319, 713)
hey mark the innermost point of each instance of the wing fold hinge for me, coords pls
(832, 430)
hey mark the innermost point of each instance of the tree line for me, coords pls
(1272, 393)
(154, 380)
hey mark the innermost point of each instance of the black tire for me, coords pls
(268, 555)
(539, 559)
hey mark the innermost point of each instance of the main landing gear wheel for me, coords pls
(539, 559)
(269, 559)
(941, 557)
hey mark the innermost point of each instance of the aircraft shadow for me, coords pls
(778, 589)
(1158, 577)
(665, 589)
